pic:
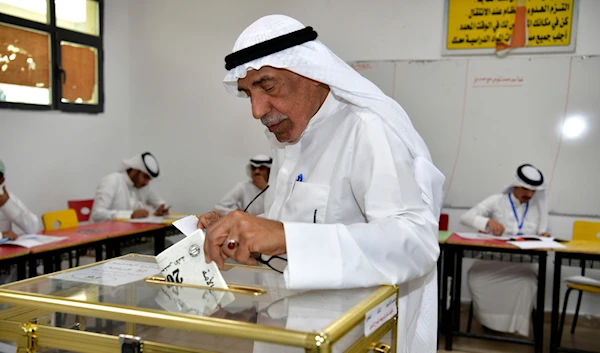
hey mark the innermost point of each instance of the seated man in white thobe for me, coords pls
(354, 198)
(504, 293)
(248, 195)
(126, 194)
(14, 212)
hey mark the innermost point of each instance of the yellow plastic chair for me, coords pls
(60, 219)
(588, 233)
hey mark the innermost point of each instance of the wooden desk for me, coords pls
(83, 237)
(453, 256)
(10, 254)
(582, 251)
(80, 238)
(127, 230)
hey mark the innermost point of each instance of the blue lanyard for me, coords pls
(516, 216)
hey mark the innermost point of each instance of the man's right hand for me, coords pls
(4, 197)
(9, 234)
(496, 228)
(207, 219)
(141, 213)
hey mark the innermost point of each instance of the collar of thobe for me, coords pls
(128, 180)
(326, 109)
(515, 200)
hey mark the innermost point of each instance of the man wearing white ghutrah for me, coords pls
(354, 198)
(248, 195)
(126, 194)
(504, 293)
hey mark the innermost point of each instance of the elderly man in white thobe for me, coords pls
(354, 198)
(126, 194)
(504, 293)
(248, 195)
(14, 212)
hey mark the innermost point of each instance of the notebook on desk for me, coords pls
(31, 240)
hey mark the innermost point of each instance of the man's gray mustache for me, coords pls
(272, 120)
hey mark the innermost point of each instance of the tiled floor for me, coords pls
(585, 338)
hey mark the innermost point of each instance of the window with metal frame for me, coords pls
(51, 55)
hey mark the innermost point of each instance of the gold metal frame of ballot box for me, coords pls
(26, 322)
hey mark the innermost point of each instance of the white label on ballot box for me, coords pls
(184, 262)
(380, 314)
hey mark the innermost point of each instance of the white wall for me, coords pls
(51, 157)
(201, 135)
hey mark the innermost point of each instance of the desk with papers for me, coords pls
(454, 249)
(94, 235)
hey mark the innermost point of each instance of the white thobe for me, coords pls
(15, 212)
(117, 197)
(503, 293)
(372, 227)
(239, 198)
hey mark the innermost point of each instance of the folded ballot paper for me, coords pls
(184, 262)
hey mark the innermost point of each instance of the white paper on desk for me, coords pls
(485, 236)
(481, 236)
(174, 216)
(113, 273)
(187, 225)
(149, 219)
(537, 244)
(31, 240)
(184, 262)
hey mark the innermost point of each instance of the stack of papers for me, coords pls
(520, 241)
(31, 240)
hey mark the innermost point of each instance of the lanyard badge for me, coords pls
(519, 224)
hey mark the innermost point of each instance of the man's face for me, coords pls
(522, 194)
(284, 101)
(139, 178)
(260, 172)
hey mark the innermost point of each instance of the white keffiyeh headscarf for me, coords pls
(144, 162)
(258, 161)
(315, 61)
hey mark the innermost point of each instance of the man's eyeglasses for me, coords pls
(276, 263)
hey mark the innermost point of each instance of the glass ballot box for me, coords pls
(125, 305)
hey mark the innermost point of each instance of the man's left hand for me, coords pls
(251, 234)
(545, 234)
